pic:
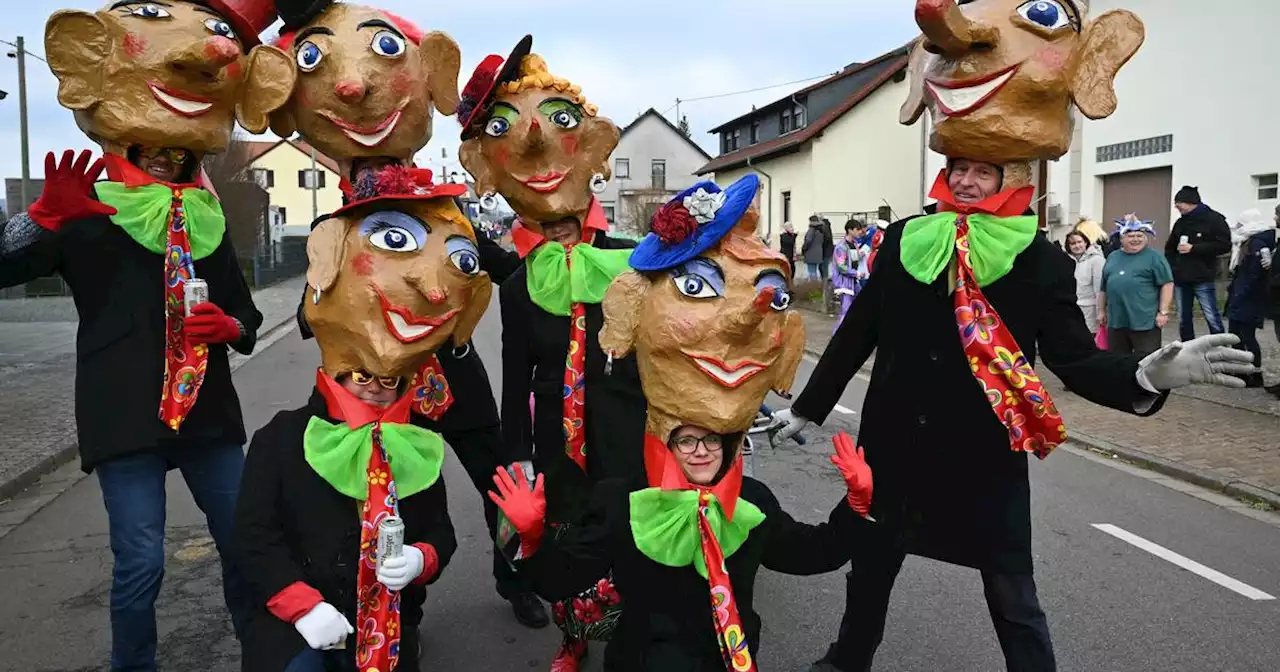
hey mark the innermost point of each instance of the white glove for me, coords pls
(794, 423)
(324, 627)
(398, 572)
(1208, 359)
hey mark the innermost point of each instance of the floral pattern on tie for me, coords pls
(184, 363)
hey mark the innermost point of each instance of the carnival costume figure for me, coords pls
(394, 276)
(707, 312)
(962, 299)
(533, 138)
(368, 83)
(148, 257)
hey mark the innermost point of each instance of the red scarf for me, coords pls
(1011, 385)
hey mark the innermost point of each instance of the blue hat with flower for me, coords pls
(1130, 223)
(696, 220)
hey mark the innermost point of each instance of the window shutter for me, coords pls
(271, 178)
(319, 179)
(302, 179)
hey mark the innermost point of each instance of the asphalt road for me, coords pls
(1111, 604)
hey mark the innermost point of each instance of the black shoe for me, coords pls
(529, 610)
(1254, 380)
(1273, 389)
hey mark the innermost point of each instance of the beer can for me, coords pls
(390, 538)
(1185, 240)
(1266, 257)
(194, 292)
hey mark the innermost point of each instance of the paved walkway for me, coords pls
(37, 367)
(1228, 440)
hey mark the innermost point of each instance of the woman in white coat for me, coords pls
(1089, 262)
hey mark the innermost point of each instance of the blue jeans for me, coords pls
(1204, 293)
(133, 491)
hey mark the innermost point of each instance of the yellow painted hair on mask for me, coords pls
(534, 74)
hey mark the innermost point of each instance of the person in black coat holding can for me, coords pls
(1197, 239)
(960, 302)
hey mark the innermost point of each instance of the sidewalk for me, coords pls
(1226, 440)
(37, 365)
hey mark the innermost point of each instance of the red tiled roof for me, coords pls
(896, 63)
(258, 148)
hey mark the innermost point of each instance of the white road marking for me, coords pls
(842, 409)
(1184, 562)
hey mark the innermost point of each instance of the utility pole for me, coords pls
(315, 186)
(22, 119)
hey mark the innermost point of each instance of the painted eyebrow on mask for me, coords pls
(128, 3)
(379, 23)
(314, 30)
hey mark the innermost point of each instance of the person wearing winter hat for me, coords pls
(159, 86)
(1197, 239)
(1253, 243)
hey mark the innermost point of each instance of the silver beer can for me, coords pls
(194, 292)
(390, 538)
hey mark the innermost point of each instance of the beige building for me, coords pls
(835, 149)
(284, 169)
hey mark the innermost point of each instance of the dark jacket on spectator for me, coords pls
(1210, 237)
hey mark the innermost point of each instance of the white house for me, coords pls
(653, 162)
(834, 149)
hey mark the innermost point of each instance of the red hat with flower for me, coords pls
(477, 95)
(395, 183)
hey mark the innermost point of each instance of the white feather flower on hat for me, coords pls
(704, 206)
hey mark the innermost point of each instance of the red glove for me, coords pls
(208, 324)
(856, 473)
(525, 508)
(67, 191)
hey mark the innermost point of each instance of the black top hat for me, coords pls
(298, 13)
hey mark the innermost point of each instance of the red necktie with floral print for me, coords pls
(430, 391)
(184, 362)
(378, 609)
(1015, 392)
(729, 632)
(575, 392)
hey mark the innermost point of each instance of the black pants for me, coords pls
(1248, 333)
(1015, 611)
(1130, 342)
(478, 451)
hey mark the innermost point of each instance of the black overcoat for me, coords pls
(291, 525)
(118, 289)
(947, 484)
(535, 344)
(666, 623)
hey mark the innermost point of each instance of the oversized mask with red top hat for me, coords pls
(172, 74)
(369, 82)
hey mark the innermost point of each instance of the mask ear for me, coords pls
(268, 85)
(621, 308)
(441, 59)
(598, 144)
(476, 305)
(473, 160)
(325, 249)
(1109, 41)
(914, 106)
(793, 351)
(77, 45)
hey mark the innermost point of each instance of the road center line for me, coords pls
(842, 409)
(1184, 562)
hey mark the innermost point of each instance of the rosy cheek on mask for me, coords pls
(402, 82)
(234, 71)
(134, 45)
(1052, 58)
(569, 144)
(362, 264)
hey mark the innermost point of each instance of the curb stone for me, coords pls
(1204, 478)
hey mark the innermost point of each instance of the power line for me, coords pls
(761, 88)
(26, 51)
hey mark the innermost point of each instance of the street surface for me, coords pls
(1112, 605)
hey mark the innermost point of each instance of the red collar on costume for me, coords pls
(120, 170)
(346, 407)
(527, 241)
(1007, 203)
(664, 472)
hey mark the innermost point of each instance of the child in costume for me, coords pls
(394, 275)
(534, 138)
(344, 54)
(159, 87)
(964, 297)
(847, 262)
(707, 312)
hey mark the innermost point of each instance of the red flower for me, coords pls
(608, 594)
(558, 611)
(586, 611)
(673, 223)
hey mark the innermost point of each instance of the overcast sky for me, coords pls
(628, 56)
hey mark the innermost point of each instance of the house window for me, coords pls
(797, 117)
(755, 132)
(265, 178)
(659, 174)
(786, 206)
(734, 140)
(310, 179)
(609, 213)
(622, 169)
(784, 124)
(1268, 186)
(284, 217)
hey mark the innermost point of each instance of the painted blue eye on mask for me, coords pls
(782, 297)
(395, 231)
(699, 279)
(1046, 14)
(463, 254)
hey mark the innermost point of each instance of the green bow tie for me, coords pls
(664, 525)
(143, 213)
(554, 285)
(340, 455)
(994, 242)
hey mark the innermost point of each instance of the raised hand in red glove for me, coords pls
(208, 324)
(856, 473)
(525, 508)
(67, 191)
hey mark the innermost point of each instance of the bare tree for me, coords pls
(244, 203)
(638, 209)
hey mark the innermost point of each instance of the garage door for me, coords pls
(1149, 193)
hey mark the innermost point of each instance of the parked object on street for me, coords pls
(1136, 292)
(1197, 239)
(1253, 237)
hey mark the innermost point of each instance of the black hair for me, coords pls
(189, 167)
(731, 445)
(854, 224)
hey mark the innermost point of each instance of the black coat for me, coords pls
(1248, 297)
(291, 526)
(787, 245)
(534, 346)
(118, 288)
(1210, 237)
(666, 623)
(947, 483)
